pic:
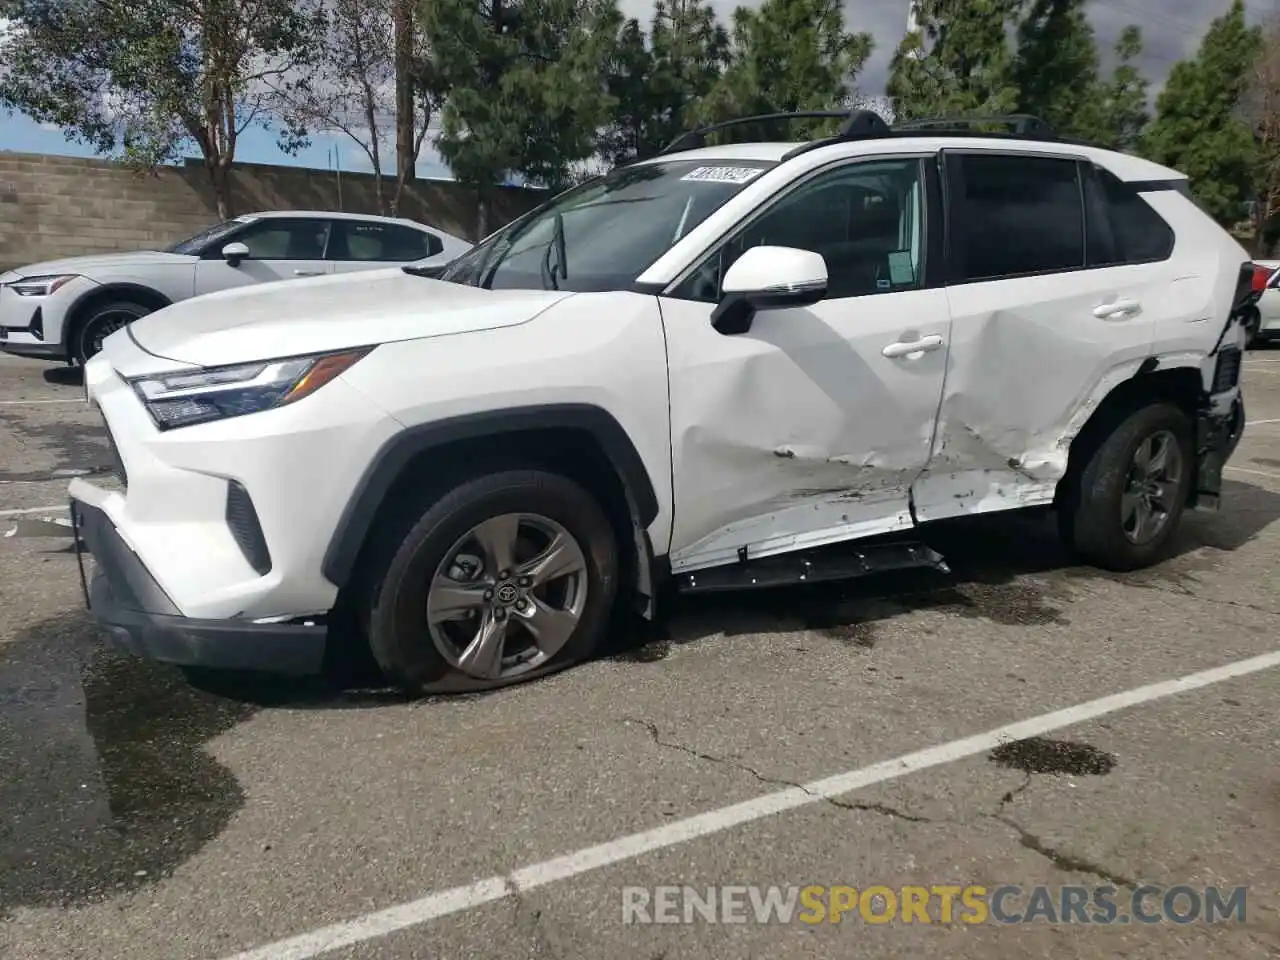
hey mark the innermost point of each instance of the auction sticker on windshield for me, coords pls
(723, 174)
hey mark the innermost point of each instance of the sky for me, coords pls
(1171, 29)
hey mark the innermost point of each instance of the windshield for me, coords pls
(604, 234)
(193, 246)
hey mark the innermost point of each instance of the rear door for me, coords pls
(1057, 275)
(370, 244)
(280, 248)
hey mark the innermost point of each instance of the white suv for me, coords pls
(63, 309)
(705, 365)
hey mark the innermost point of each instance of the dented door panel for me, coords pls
(1030, 359)
(800, 432)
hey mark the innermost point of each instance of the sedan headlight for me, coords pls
(39, 286)
(215, 393)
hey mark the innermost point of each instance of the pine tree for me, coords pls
(1056, 66)
(526, 94)
(659, 81)
(1198, 129)
(788, 56)
(958, 63)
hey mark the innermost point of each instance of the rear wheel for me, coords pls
(1125, 503)
(102, 321)
(506, 577)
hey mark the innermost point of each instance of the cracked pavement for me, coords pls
(147, 817)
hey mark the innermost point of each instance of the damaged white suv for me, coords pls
(704, 365)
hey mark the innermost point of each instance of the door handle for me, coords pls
(909, 348)
(308, 273)
(1117, 309)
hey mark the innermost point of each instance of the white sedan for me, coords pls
(62, 309)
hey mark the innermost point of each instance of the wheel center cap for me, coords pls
(507, 593)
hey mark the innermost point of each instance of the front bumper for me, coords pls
(20, 343)
(126, 600)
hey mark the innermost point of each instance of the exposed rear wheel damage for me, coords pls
(1121, 508)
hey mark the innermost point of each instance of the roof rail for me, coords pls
(857, 124)
(868, 125)
(1017, 123)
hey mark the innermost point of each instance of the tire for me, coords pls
(411, 652)
(103, 319)
(1093, 517)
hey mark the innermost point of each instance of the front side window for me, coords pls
(604, 234)
(865, 219)
(1013, 216)
(275, 239)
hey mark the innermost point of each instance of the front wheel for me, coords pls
(1125, 504)
(506, 577)
(104, 320)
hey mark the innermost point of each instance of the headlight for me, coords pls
(215, 393)
(39, 286)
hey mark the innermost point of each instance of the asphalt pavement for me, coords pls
(848, 736)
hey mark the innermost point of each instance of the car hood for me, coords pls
(293, 317)
(87, 266)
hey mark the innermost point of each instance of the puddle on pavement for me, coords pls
(1042, 755)
(113, 788)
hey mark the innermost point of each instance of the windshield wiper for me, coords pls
(557, 244)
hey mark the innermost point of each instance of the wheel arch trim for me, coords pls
(388, 465)
(71, 318)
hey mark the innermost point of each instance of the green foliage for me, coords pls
(147, 78)
(659, 81)
(788, 56)
(1056, 64)
(958, 63)
(1058, 76)
(1197, 128)
(526, 93)
(1121, 112)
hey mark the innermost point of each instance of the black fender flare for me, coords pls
(395, 455)
(123, 288)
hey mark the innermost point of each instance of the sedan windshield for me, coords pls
(194, 246)
(602, 235)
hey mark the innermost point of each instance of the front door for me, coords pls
(811, 427)
(279, 249)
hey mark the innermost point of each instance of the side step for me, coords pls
(812, 567)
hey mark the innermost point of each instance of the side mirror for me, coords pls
(233, 253)
(768, 278)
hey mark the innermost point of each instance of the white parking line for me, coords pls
(1254, 473)
(444, 903)
(30, 511)
(23, 403)
(1254, 423)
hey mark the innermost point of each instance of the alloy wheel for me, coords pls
(1152, 488)
(507, 596)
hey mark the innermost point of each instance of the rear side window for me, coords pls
(1014, 216)
(384, 242)
(1122, 227)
